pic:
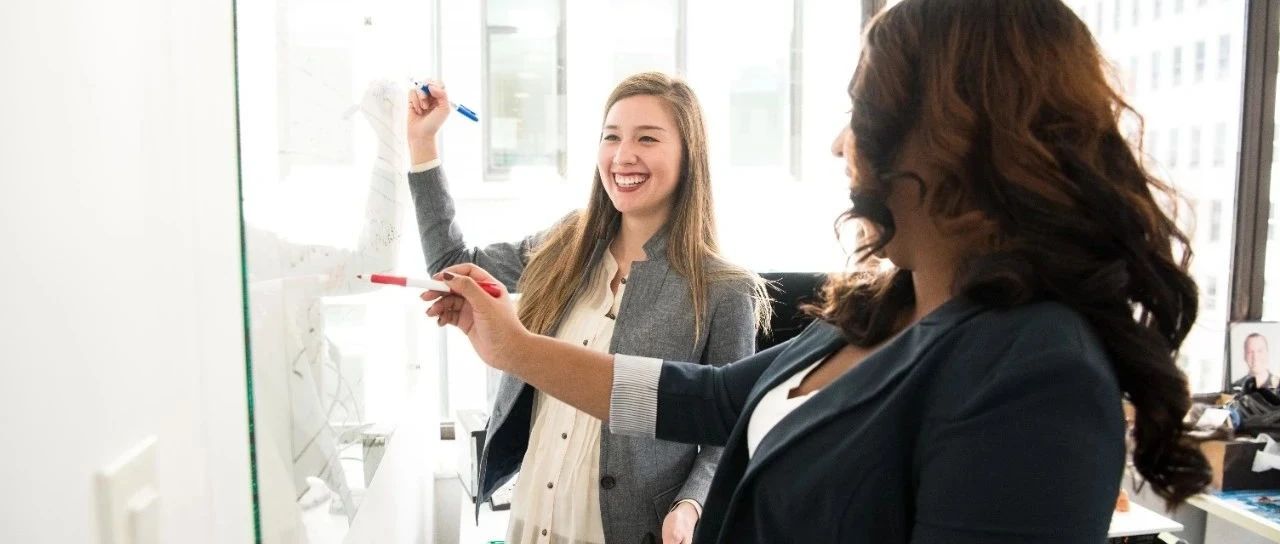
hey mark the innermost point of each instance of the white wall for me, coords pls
(120, 270)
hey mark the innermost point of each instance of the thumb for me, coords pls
(465, 287)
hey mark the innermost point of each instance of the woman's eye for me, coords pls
(648, 139)
(610, 137)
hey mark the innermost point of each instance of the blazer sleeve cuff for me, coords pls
(424, 166)
(633, 405)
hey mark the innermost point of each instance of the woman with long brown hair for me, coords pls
(637, 271)
(1018, 279)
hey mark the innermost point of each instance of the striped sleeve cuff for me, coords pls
(424, 166)
(633, 406)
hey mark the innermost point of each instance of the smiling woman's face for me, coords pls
(639, 158)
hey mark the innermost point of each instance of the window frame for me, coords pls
(1253, 186)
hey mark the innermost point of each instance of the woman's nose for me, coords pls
(624, 154)
(837, 146)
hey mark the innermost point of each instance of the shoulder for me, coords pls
(1041, 338)
(727, 280)
(740, 293)
(566, 223)
(1034, 326)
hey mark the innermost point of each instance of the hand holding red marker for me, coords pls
(493, 289)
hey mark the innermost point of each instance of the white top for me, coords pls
(557, 495)
(774, 406)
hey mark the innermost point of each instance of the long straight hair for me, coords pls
(549, 282)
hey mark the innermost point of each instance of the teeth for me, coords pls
(630, 180)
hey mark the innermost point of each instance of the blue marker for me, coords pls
(465, 111)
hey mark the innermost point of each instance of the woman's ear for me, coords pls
(973, 226)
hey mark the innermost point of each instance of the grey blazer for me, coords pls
(640, 478)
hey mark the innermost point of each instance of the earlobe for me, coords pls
(973, 224)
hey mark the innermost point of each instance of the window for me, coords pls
(1131, 78)
(1219, 144)
(760, 87)
(1193, 160)
(1098, 25)
(1199, 61)
(1116, 13)
(1224, 56)
(524, 107)
(1153, 146)
(1177, 66)
(1210, 286)
(1215, 220)
(1179, 154)
(1136, 11)
(1155, 70)
(658, 48)
(773, 94)
(1177, 6)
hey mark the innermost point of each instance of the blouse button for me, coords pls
(564, 436)
(550, 485)
(608, 482)
(584, 342)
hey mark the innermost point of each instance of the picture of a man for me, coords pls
(1258, 361)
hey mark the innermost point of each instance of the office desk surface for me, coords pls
(1140, 520)
(1236, 514)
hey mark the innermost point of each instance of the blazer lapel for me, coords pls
(878, 373)
(804, 351)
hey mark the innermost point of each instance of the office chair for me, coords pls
(789, 290)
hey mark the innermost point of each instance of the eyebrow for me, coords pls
(641, 127)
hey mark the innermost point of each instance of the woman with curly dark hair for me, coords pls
(1018, 278)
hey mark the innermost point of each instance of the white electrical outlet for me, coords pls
(128, 498)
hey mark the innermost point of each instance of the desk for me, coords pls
(1140, 520)
(492, 525)
(1237, 515)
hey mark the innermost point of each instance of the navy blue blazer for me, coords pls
(972, 426)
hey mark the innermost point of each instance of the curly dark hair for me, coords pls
(1013, 103)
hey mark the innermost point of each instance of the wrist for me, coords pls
(691, 505)
(512, 360)
(423, 152)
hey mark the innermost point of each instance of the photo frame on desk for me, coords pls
(1249, 349)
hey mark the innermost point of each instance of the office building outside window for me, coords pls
(1177, 66)
(1224, 56)
(1219, 144)
(1193, 159)
(1176, 111)
(1199, 61)
(1215, 220)
(1155, 70)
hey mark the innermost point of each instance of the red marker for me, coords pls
(431, 285)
